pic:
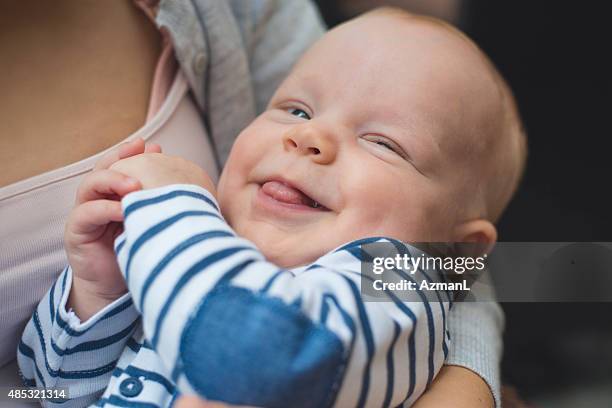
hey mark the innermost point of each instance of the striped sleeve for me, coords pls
(57, 350)
(234, 327)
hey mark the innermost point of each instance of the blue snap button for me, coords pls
(130, 387)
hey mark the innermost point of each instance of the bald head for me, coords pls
(421, 132)
(491, 137)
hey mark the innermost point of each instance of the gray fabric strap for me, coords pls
(213, 57)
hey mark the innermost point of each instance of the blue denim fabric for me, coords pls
(269, 354)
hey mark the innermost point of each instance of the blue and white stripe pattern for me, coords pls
(207, 314)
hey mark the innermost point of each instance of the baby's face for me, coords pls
(360, 140)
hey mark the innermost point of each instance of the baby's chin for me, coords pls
(287, 256)
(290, 260)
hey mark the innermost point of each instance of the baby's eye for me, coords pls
(300, 113)
(387, 144)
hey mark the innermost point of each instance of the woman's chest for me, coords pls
(71, 89)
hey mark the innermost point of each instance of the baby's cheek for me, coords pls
(436, 221)
(419, 222)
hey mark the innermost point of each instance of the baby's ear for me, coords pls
(480, 232)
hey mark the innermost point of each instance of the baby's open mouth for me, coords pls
(285, 193)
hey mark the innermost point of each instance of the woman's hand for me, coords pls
(456, 387)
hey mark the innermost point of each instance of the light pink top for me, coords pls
(33, 211)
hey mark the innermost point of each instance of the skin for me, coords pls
(456, 387)
(375, 142)
(92, 227)
(76, 78)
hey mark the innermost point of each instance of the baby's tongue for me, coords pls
(285, 193)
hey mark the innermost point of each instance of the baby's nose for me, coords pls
(311, 142)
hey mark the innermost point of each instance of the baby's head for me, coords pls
(391, 125)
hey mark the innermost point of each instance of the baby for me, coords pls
(392, 127)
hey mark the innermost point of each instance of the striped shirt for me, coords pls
(206, 313)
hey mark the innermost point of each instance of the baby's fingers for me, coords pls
(122, 151)
(90, 216)
(105, 183)
(153, 148)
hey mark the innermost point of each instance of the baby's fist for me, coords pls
(158, 170)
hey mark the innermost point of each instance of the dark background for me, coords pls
(555, 56)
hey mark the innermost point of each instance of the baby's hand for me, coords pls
(92, 227)
(157, 170)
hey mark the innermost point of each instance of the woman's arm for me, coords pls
(471, 376)
(456, 387)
